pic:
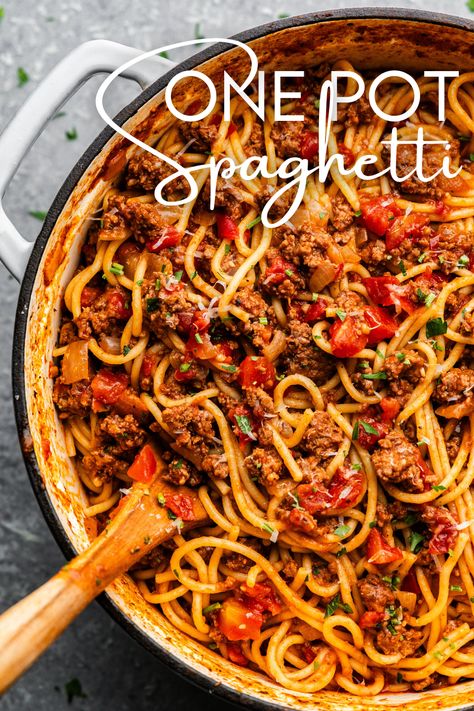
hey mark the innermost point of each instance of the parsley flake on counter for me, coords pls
(22, 76)
(71, 135)
(37, 214)
(73, 689)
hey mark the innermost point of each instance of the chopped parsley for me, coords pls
(73, 689)
(161, 499)
(37, 214)
(266, 527)
(243, 423)
(171, 515)
(164, 54)
(71, 135)
(379, 353)
(416, 541)
(184, 367)
(372, 524)
(152, 305)
(401, 266)
(335, 604)
(358, 213)
(197, 31)
(455, 588)
(392, 580)
(178, 275)
(126, 350)
(229, 368)
(212, 608)
(355, 431)
(438, 487)
(436, 327)
(422, 257)
(197, 338)
(263, 320)
(381, 375)
(227, 248)
(158, 284)
(368, 428)
(462, 261)
(194, 275)
(254, 222)
(426, 299)
(342, 551)
(341, 314)
(22, 76)
(116, 268)
(289, 272)
(139, 282)
(342, 530)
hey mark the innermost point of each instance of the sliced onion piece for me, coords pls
(75, 365)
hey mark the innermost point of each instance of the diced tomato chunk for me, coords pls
(387, 291)
(244, 426)
(199, 343)
(309, 144)
(382, 325)
(313, 498)
(227, 228)
(444, 532)
(186, 372)
(371, 619)
(366, 436)
(262, 597)
(169, 237)
(345, 488)
(149, 363)
(89, 294)
(118, 306)
(379, 552)
(378, 213)
(181, 505)
(405, 227)
(107, 386)
(278, 270)
(237, 622)
(347, 154)
(144, 466)
(315, 311)
(390, 408)
(343, 492)
(234, 650)
(410, 583)
(347, 337)
(307, 652)
(257, 371)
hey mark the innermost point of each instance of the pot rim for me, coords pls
(167, 657)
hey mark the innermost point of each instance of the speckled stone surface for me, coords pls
(115, 673)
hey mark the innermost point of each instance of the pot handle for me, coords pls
(64, 79)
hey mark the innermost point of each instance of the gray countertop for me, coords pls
(114, 672)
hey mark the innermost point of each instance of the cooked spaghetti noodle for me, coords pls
(313, 382)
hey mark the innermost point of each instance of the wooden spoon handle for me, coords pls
(140, 524)
(30, 626)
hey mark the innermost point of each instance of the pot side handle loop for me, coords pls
(64, 79)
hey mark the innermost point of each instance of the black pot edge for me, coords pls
(187, 671)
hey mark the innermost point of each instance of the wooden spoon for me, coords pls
(30, 626)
